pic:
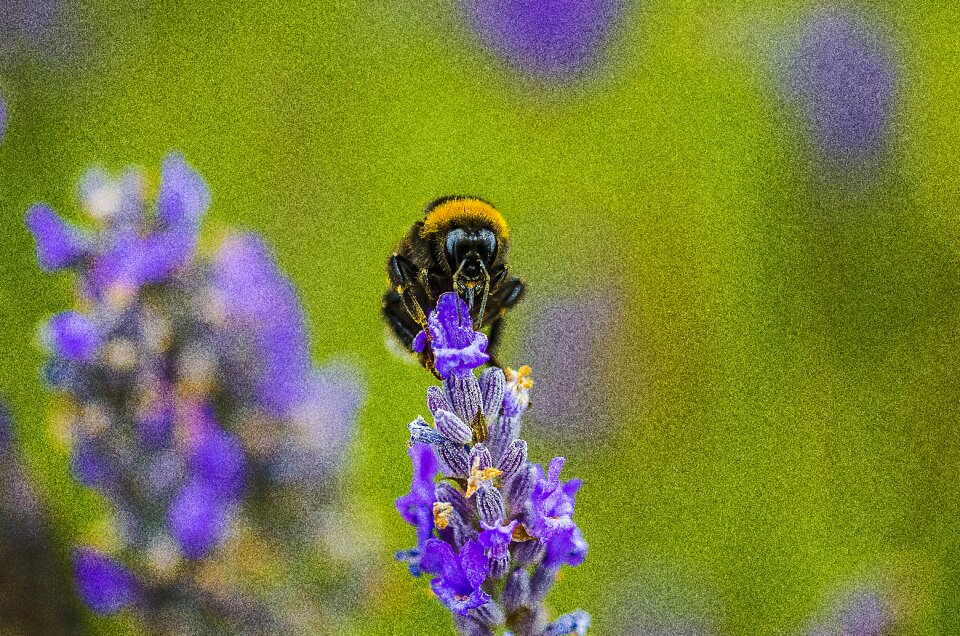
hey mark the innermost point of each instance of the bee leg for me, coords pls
(424, 279)
(402, 274)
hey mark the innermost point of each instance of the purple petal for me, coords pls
(475, 563)
(439, 559)
(104, 584)
(556, 465)
(59, 244)
(74, 336)
(420, 341)
(437, 400)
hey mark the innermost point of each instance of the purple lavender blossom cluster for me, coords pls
(554, 40)
(193, 407)
(495, 531)
(843, 78)
(863, 611)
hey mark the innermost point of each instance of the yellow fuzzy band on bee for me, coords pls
(464, 211)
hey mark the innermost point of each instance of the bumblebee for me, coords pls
(461, 246)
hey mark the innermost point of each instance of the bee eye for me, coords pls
(487, 245)
(454, 245)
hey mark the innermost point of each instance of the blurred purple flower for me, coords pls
(44, 29)
(74, 336)
(546, 39)
(844, 78)
(567, 339)
(261, 305)
(198, 518)
(59, 243)
(104, 584)
(862, 611)
(3, 117)
(197, 409)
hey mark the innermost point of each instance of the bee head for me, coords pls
(468, 235)
(470, 252)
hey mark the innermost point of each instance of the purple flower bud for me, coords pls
(540, 583)
(453, 458)
(74, 336)
(514, 458)
(489, 614)
(463, 391)
(520, 487)
(516, 591)
(499, 566)
(104, 584)
(59, 244)
(198, 518)
(526, 553)
(437, 400)
(453, 428)
(461, 530)
(480, 457)
(503, 433)
(489, 504)
(491, 389)
(450, 494)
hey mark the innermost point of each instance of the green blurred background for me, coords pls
(783, 372)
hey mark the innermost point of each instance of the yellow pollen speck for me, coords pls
(522, 378)
(478, 477)
(441, 514)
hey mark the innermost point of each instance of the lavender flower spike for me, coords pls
(497, 517)
(197, 412)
